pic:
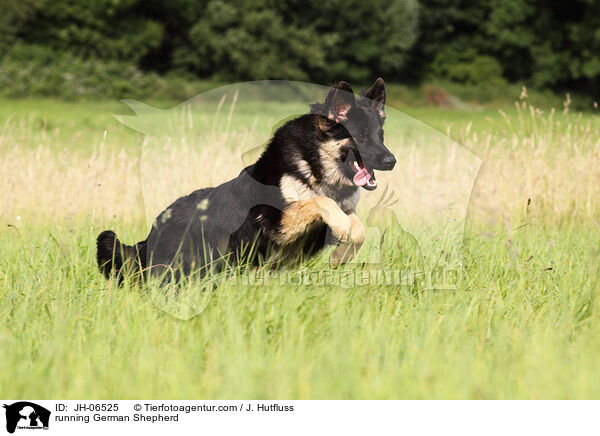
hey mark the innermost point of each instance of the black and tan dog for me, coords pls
(300, 195)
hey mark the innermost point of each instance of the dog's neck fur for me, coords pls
(304, 164)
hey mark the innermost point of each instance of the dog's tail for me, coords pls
(114, 257)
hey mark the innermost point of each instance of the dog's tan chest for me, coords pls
(294, 189)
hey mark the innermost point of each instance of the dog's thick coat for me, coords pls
(300, 194)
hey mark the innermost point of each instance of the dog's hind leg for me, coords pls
(346, 252)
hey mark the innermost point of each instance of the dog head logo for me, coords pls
(26, 415)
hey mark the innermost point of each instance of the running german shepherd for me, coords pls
(300, 195)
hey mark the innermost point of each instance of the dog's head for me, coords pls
(352, 131)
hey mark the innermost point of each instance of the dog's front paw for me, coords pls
(341, 227)
(346, 252)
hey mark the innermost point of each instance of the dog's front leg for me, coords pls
(300, 215)
(346, 251)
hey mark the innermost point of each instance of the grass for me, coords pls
(523, 322)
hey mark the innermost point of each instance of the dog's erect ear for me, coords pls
(376, 93)
(339, 101)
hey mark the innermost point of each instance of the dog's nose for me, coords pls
(389, 162)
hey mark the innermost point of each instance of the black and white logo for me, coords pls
(26, 415)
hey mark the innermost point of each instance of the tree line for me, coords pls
(544, 43)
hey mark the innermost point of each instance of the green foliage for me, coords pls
(467, 67)
(230, 40)
(293, 40)
(549, 45)
(366, 38)
(14, 14)
(36, 70)
(248, 41)
(105, 29)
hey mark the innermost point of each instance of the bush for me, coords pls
(28, 70)
(354, 40)
(467, 67)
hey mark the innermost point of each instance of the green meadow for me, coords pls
(523, 320)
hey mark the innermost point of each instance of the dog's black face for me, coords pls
(365, 151)
(357, 135)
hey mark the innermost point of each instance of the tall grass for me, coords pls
(523, 323)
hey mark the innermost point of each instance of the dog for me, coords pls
(299, 196)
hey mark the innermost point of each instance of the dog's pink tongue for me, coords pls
(361, 177)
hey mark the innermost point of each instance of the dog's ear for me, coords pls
(376, 93)
(339, 101)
